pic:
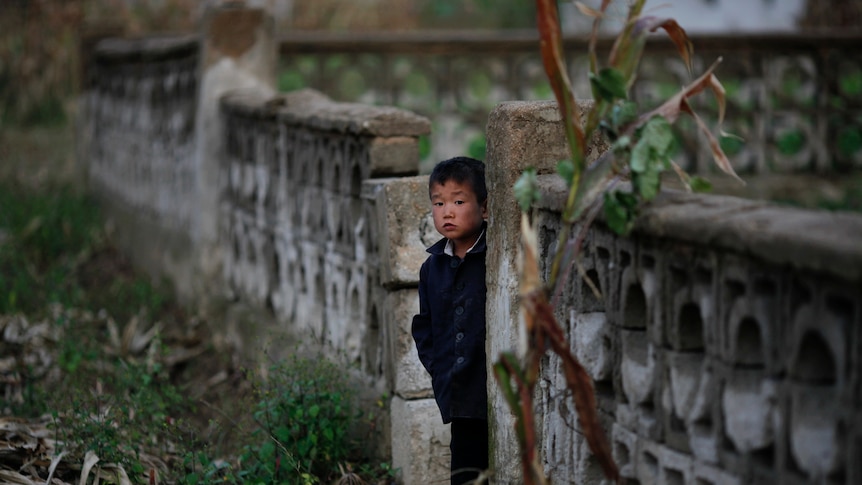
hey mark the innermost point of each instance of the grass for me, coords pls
(118, 383)
(103, 360)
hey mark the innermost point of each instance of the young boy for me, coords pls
(449, 329)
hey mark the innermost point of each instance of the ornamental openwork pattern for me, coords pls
(300, 237)
(793, 100)
(140, 104)
(710, 366)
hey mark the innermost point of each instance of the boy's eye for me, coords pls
(459, 202)
(437, 204)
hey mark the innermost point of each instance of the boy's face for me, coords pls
(458, 215)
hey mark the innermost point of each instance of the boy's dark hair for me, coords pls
(461, 170)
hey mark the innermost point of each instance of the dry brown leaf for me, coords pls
(116, 473)
(9, 476)
(589, 11)
(90, 460)
(717, 153)
(55, 460)
(676, 33)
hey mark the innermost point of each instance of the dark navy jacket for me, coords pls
(449, 330)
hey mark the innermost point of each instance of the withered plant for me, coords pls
(640, 149)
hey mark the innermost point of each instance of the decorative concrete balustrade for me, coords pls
(725, 346)
(725, 342)
(792, 98)
(299, 233)
(140, 104)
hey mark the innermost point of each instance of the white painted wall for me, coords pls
(698, 16)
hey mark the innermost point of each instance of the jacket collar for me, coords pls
(439, 248)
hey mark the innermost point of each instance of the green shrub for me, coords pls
(307, 413)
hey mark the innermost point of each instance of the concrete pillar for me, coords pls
(419, 439)
(238, 51)
(520, 134)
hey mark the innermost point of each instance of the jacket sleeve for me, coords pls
(421, 327)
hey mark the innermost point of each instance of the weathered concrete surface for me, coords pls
(731, 329)
(520, 135)
(725, 347)
(238, 52)
(409, 378)
(420, 442)
(830, 241)
(404, 226)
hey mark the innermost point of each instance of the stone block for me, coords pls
(650, 267)
(420, 442)
(749, 308)
(404, 225)
(640, 419)
(588, 469)
(815, 430)
(603, 246)
(818, 382)
(690, 299)
(632, 311)
(688, 404)
(558, 435)
(625, 446)
(749, 408)
(648, 463)
(675, 468)
(638, 367)
(592, 344)
(854, 448)
(709, 475)
(397, 155)
(407, 377)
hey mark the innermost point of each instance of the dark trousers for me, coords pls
(469, 448)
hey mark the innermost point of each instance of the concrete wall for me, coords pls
(725, 348)
(287, 217)
(139, 111)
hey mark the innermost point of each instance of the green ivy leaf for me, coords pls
(647, 183)
(657, 132)
(623, 113)
(699, 184)
(527, 189)
(620, 210)
(609, 84)
(313, 411)
(622, 143)
(641, 156)
(566, 169)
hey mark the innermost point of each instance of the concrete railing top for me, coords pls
(315, 110)
(150, 48)
(821, 241)
(435, 42)
(805, 239)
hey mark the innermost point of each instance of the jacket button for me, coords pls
(460, 360)
(459, 310)
(453, 263)
(459, 336)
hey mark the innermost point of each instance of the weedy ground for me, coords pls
(103, 374)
